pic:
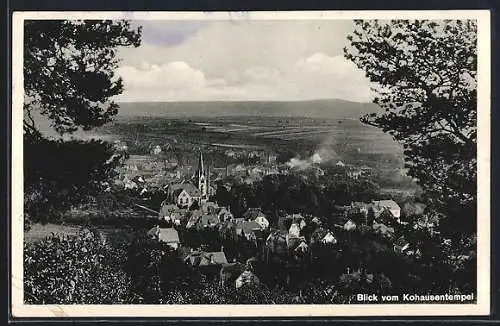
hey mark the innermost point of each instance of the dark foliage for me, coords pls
(69, 77)
(69, 71)
(59, 174)
(425, 74)
(292, 193)
(81, 269)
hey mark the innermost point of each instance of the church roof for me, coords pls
(190, 188)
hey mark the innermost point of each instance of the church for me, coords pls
(185, 194)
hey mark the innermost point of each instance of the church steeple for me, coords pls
(201, 169)
(202, 178)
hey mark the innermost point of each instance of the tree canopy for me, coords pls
(424, 75)
(69, 77)
(69, 71)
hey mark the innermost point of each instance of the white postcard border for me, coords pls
(19, 309)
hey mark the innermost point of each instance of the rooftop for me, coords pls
(391, 204)
(248, 226)
(206, 258)
(253, 213)
(167, 235)
(190, 188)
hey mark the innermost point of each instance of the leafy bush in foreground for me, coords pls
(81, 269)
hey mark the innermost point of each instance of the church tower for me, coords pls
(201, 179)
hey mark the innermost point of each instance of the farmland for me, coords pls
(360, 143)
(330, 128)
(300, 127)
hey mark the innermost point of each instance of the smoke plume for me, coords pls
(325, 153)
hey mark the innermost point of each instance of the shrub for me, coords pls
(77, 269)
(60, 174)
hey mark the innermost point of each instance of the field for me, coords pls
(328, 128)
(41, 231)
(298, 134)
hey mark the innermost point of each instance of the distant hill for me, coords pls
(325, 109)
(322, 109)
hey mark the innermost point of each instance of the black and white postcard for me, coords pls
(251, 164)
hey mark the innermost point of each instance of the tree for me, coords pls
(61, 173)
(69, 71)
(75, 269)
(69, 77)
(425, 74)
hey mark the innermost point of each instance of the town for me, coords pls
(209, 232)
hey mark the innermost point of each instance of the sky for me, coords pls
(208, 60)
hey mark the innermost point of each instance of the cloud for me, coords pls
(322, 64)
(218, 47)
(332, 75)
(173, 76)
(317, 76)
(249, 60)
(259, 74)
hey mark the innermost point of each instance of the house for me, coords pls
(380, 205)
(401, 245)
(166, 210)
(205, 259)
(246, 278)
(256, 215)
(295, 218)
(301, 249)
(175, 217)
(262, 221)
(329, 238)
(340, 164)
(252, 213)
(247, 229)
(383, 229)
(209, 207)
(323, 236)
(354, 174)
(194, 216)
(230, 272)
(349, 225)
(271, 170)
(168, 236)
(138, 180)
(239, 169)
(156, 150)
(316, 220)
(276, 242)
(183, 194)
(252, 263)
(286, 221)
(294, 230)
(223, 214)
(255, 171)
(359, 207)
(129, 184)
(207, 221)
(230, 153)
(271, 158)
